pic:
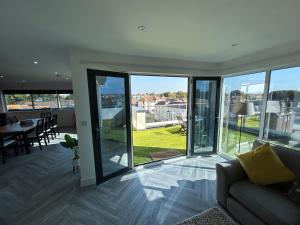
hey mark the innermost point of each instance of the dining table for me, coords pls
(17, 128)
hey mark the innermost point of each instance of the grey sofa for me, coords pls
(251, 204)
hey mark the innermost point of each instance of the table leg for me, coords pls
(26, 143)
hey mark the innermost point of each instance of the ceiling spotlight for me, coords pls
(23, 81)
(1, 76)
(35, 62)
(234, 44)
(141, 28)
(55, 73)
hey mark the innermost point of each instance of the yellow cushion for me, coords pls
(263, 166)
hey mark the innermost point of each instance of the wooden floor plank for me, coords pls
(40, 189)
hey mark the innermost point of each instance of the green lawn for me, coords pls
(155, 140)
(230, 140)
(252, 121)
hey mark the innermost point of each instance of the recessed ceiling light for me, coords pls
(1, 76)
(235, 44)
(141, 28)
(23, 81)
(35, 62)
(55, 73)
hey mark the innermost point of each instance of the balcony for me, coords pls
(156, 132)
(153, 144)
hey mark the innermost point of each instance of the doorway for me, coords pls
(159, 117)
(154, 122)
(111, 126)
(205, 115)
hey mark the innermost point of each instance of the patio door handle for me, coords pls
(97, 131)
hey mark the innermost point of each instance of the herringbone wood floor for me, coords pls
(40, 189)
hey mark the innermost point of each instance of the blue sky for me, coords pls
(157, 84)
(254, 83)
(113, 85)
(283, 79)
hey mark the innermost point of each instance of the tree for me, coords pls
(181, 94)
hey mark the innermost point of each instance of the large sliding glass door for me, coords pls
(263, 105)
(111, 120)
(282, 118)
(205, 115)
(110, 115)
(242, 107)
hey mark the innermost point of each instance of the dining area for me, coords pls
(20, 136)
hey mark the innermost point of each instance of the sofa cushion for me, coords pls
(242, 214)
(271, 205)
(294, 192)
(263, 166)
(289, 157)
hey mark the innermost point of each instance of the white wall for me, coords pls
(46, 85)
(2, 103)
(81, 60)
(265, 60)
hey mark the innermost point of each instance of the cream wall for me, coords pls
(81, 60)
(65, 117)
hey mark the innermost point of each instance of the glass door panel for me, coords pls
(110, 121)
(205, 114)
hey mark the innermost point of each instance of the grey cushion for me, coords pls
(271, 205)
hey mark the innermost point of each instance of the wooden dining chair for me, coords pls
(3, 119)
(45, 114)
(12, 119)
(47, 128)
(54, 126)
(5, 143)
(38, 135)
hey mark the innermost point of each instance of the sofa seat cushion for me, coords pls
(271, 205)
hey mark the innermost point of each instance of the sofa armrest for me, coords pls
(227, 173)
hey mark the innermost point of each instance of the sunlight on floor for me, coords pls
(59, 138)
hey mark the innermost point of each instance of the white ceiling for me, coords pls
(196, 30)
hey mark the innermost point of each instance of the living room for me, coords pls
(240, 62)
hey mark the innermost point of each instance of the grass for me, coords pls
(153, 140)
(230, 139)
(149, 141)
(252, 121)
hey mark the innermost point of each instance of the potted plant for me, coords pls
(72, 143)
